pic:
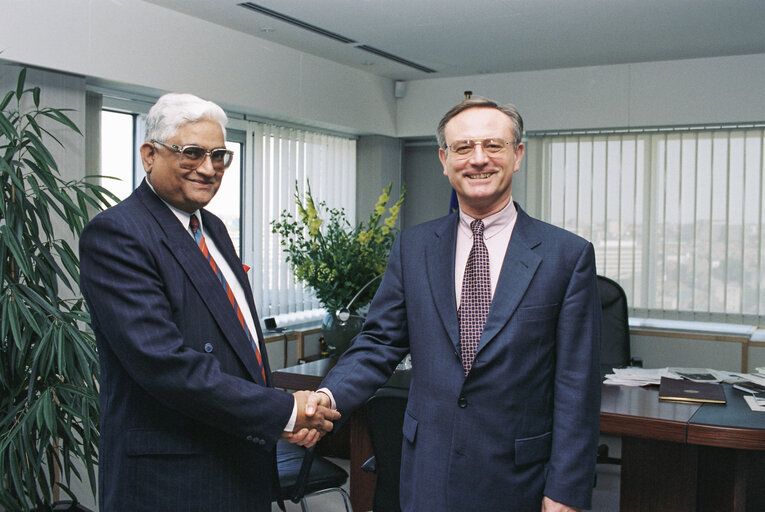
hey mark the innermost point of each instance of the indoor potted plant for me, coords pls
(48, 361)
(340, 262)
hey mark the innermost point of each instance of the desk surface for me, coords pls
(303, 376)
(638, 412)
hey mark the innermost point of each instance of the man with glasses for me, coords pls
(501, 315)
(189, 417)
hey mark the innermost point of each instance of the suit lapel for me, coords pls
(182, 246)
(222, 241)
(518, 268)
(439, 265)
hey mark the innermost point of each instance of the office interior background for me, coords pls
(645, 129)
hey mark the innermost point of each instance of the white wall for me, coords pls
(723, 89)
(137, 44)
(142, 45)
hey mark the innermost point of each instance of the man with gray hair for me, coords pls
(189, 417)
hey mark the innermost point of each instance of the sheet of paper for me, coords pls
(633, 376)
(754, 404)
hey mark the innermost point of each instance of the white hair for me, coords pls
(173, 110)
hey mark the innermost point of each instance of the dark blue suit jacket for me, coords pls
(525, 421)
(187, 422)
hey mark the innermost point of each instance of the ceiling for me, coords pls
(441, 38)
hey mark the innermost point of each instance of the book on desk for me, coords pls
(690, 392)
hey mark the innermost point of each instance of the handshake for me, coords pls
(314, 418)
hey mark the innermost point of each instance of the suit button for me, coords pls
(249, 438)
(462, 402)
(262, 442)
(208, 347)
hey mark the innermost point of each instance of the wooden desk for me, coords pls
(683, 457)
(675, 457)
(303, 376)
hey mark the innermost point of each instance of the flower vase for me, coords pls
(338, 334)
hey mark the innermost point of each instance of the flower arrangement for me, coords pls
(335, 259)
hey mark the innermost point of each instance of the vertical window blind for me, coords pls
(279, 158)
(676, 215)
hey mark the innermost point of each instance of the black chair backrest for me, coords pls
(615, 346)
(385, 421)
(302, 472)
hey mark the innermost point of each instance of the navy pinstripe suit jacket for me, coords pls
(187, 422)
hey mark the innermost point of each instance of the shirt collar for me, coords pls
(493, 224)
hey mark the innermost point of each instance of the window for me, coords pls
(677, 216)
(281, 157)
(117, 149)
(227, 203)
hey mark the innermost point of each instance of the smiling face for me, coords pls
(187, 190)
(482, 181)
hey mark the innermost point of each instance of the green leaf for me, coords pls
(6, 100)
(58, 115)
(6, 126)
(20, 83)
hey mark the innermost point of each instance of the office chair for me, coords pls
(615, 334)
(303, 474)
(385, 421)
(615, 340)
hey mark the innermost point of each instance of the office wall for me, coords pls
(722, 89)
(378, 164)
(141, 46)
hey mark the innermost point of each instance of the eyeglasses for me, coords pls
(467, 146)
(191, 157)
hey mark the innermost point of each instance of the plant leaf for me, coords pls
(20, 83)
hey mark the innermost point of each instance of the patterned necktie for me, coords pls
(199, 237)
(476, 297)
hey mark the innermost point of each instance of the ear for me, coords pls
(519, 152)
(148, 154)
(442, 157)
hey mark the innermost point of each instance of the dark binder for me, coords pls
(689, 392)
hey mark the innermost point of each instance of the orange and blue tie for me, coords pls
(200, 239)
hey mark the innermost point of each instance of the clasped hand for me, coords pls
(314, 418)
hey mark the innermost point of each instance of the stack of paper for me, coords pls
(638, 376)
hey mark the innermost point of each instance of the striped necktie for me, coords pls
(476, 297)
(199, 237)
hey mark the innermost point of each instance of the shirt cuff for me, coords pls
(327, 392)
(293, 418)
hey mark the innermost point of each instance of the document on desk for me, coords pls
(637, 376)
(690, 392)
(755, 404)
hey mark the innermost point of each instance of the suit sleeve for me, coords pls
(576, 410)
(134, 290)
(382, 343)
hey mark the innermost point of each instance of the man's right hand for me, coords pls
(314, 418)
